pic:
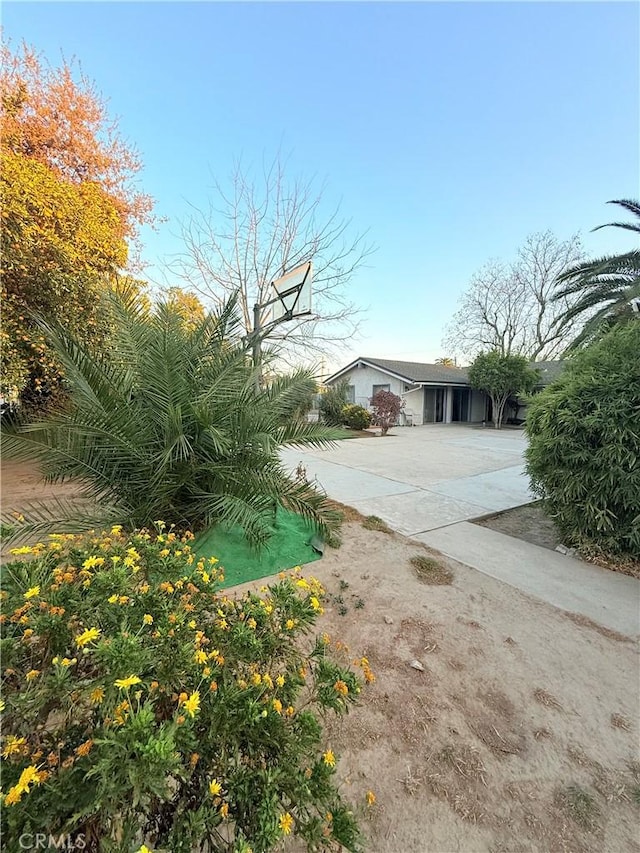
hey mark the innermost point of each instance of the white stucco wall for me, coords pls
(364, 378)
(415, 403)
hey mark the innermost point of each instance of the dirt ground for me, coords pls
(525, 522)
(520, 733)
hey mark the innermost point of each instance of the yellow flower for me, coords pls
(329, 758)
(290, 624)
(370, 797)
(224, 811)
(66, 662)
(91, 562)
(129, 562)
(341, 687)
(268, 680)
(277, 706)
(144, 849)
(97, 695)
(256, 678)
(192, 704)
(29, 776)
(32, 591)
(215, 787)
(290, 711)
(286, 823)
(200, 656)
(116, 530)
(147, 619)
(24, 549)
(165, 552)
(87, 636)
(32, 674)
(12, 746)
(313, 601)
(115, 560)
(113, 599)
(280, 681)
(160, 525)
(124, 683)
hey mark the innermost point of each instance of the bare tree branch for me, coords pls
(254, 233)
(510, 307)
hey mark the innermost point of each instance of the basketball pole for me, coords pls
(257, 355)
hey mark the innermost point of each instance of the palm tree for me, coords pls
(608, 288)
(445, 361)
(167, 425)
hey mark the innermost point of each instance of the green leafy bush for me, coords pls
(332, 402)
(167, 423)
(355, 417)
(584, 444)
(142, 706)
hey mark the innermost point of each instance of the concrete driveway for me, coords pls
(428, 482)
(422, 478)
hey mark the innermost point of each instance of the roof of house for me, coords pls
(416, 372)
(549, 370)
(413, 372)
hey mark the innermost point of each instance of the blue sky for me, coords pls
(450, 131)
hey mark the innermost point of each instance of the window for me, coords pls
(351, 393)
(377, 388)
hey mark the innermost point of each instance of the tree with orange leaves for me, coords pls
(69, 210)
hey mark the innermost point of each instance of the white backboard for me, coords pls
(293, 292)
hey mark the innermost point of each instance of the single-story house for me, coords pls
(433, 393)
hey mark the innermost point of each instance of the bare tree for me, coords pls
(253, 232)
(511, 308)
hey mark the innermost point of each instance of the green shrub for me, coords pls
(355, 417)
(167, 423)
(142, 706)
(584, 444)
(332, 403)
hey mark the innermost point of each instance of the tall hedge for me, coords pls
(584, 452)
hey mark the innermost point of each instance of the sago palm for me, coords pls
(167, 425)
(607, 288)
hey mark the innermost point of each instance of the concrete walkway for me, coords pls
(607, 597)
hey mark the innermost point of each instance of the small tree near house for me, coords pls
(501, 377)
(386, 408)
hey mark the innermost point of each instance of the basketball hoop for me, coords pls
(292, 299)
(293, 293)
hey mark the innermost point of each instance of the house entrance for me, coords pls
(434, 405)
(460, 408)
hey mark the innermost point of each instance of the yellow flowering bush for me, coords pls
(144, 707)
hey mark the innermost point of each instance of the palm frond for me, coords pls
(167, 424)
